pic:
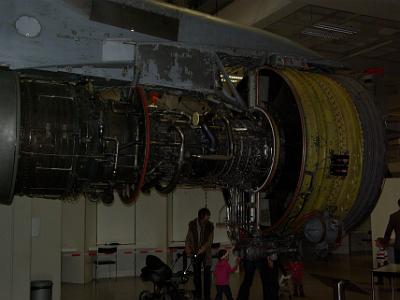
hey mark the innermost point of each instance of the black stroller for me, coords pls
(166, 283)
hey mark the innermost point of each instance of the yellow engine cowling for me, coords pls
(332, 146)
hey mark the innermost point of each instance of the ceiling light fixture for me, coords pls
(322, 34)
(336, 28)
(233, 78)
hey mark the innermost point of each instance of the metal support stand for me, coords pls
(340, 286)
(339, 291)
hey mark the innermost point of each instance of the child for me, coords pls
(221, 272)
(284, 287)
(295, 269)
(381, 257)
(381, 253)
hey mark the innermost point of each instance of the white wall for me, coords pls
(46, 247)
(25, 257)
(145, 223)
(79, 217)
(6, 251)
(184, 206)
(22, 247)
(138, 226)
(216, 204)
(15, 250)
(73, 224)
(90, 236)
(73, 240)
(115, 222)
(90, 224)
(149, 226)
(151, 221)
(387, 204)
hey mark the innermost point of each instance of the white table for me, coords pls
(391, 271)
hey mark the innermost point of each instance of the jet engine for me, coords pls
(304, 158)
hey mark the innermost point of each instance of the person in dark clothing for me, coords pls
(269, 273)
(394, 224)
(199, 240)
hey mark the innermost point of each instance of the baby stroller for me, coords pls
(165, 282)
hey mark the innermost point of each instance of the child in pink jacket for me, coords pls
(296, 270)
(221, 273)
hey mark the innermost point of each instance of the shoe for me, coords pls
(301, 292)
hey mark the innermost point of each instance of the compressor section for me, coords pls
(84, 137)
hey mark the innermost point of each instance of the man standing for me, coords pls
(199, 239)
(394, 224)
(268, 268)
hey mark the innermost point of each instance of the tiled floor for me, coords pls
(354, 268)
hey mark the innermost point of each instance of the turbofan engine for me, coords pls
(305, 156)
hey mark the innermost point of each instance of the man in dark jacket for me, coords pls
(394, 224)
(269, 274)
(199, 240)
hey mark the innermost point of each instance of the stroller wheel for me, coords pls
(146, 295)
(166, 297)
